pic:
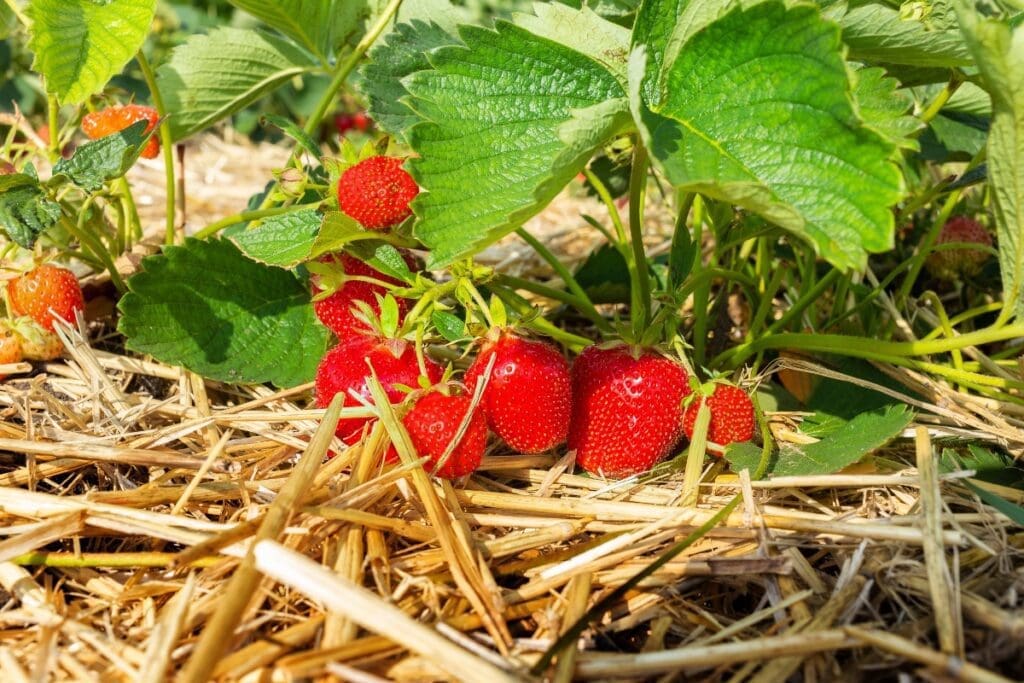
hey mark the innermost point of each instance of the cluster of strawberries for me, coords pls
(620, 408)
(35, 300)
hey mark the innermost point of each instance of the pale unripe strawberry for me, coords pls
(951, 264)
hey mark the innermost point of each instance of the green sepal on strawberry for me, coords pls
(434, 421)
(340, 282)
(627, 409)
(732, 415)
(36, 342)
(345, 369)
(528, 396)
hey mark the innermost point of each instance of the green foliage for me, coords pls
(99, 161)
(283, 241)
(884, 108)
(25, 212)
(207, 307)
(212, 76)
(508, 120)
(80, 44)
(876, 32)
(756, 111)
(841, 448)
(999, 53)
(313, 25)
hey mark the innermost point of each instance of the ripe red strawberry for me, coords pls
(376, 192)
(338, 310)
(627, 409)
(10, 347)
(953, 263)
(104, 122)
(344, 369)
(528, 398)
(732, 415)
(45, 293)
(434, 421)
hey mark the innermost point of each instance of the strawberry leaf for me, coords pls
(210, 77)
(508, 119)
(284, 241)
(886, 109)
(207, 307)
(25, 211)
(756, 110)
(842, 447)
(316, 26)
(98, 161)
(80, 44)
(999, 52)
(879, 32)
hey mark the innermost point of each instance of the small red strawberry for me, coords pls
(732, 415)
(45, 293)
(358, 121)
(37, 342)
(432, 423)
(376, 192)
(627, 409)
(528, 398)
(338, 311)
(10, 348)
(951, 264)
(346, 369)
(104, 122)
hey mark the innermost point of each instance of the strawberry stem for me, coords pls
(167, 146)
(641, 289)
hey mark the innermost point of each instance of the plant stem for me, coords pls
(803, 302)
(53, 125)
(606, 198)
(567, 278)
(165, 142)
(254, 214)
(571, 341)
(513, 282)
(16, 11)
(642, 285)
(86, 239)
(936, 105)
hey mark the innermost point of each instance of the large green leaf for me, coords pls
(884, 108)
(841, 448)
(403, 52)
(509, 119)
(207, 307)
(757, 110)
(212, 76)
(80, 44)
(317, 26)
(25, 211)
(999, 53)
(876, 32)
(98, 161)
(283, 241)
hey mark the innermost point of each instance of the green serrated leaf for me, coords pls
(449, 326)
(13, 180)
(875, 32)
(314, 25)
(841, 448)
(885, 109)
(289, 128)
(337, 230)
(384, 257)
(79, 45)
(207, 307)
(283, 241)
(756, 111)
(509, 119)
(98, 161)
(999, 53)
(403, 52)
(212, 76)
(584, 31)
(25, 212)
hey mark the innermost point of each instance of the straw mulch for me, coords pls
(154, 525)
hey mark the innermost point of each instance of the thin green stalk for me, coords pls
(701, 288)
(940, 100)
(246, 216)
(606, 198)
(765, 305)
(637, 195)
(16, 11)
(567, 278)
(53, 125)
(166, 144)
(574, 342)
(130, 210)
(567, 298)
(944, 326)
(801, 304)
(87, 240)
